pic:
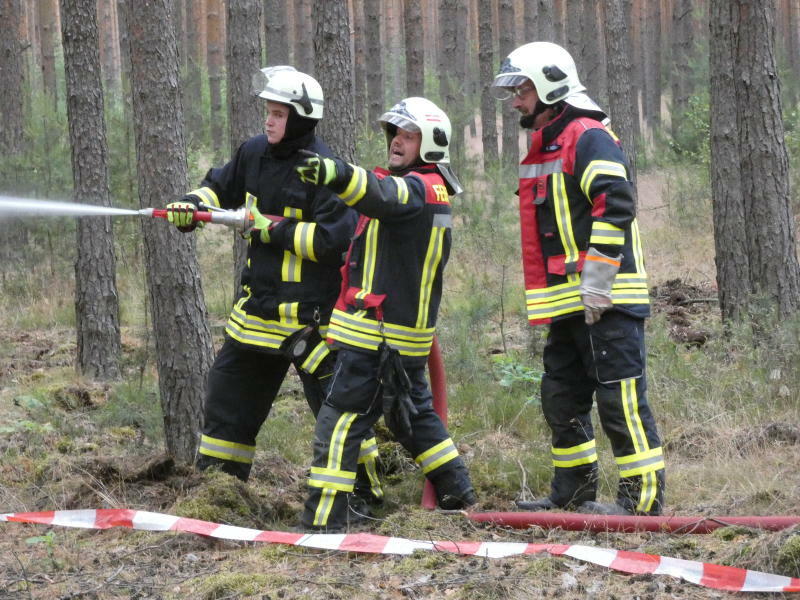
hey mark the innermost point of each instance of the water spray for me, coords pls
(240, 219)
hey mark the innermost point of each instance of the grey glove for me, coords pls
(597, 278)
(397, 402)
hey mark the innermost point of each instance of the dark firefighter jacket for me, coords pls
(286, 281)
(574, 192)
(392, 278)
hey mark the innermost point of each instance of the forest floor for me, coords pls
(59, 454)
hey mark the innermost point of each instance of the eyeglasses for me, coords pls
(507, 93)
(520, 92)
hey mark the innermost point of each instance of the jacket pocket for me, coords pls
(617, 348)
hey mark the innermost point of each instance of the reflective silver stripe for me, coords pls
(548, 168)
(551, 292)
(653, 463)
(290, 267)
(575, 455)
(374, 327)
(358, 189)
(219, 448)
(442, 220)
(327, 478)
(549, 308)
(312, 361)
(351, 337)
(368, 450)
(256, 324)
(428, 460)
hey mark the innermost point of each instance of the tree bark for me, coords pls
(359, 64)
(12, 99)
(216, 73)
(774, 269)
(195, 62)
(651, 62)
(372, 29)
(415, 51)
(682, 65)
(182, 337)
(593, 61)
(303, 34)
(487, 70)
(332, 52)
(277, 32)
(109, 46)
(621, 100)
(245, 110)
(47, 18)
(546, 22)
(510, 116)
(96, 300)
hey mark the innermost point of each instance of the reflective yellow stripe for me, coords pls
(601, 167)
(338, 438)
(582, 454)
(370, 256)
(226, 450)
(293, 213)
(402, 189)
(435, 457)
(335, 479)
(649, 492)
(288, 312)
(641, 462)
(207, 196)
(324, 507)
(606, 233)
(315, 357)
(636, 244)
(630, 406)
(433, 257)
(357, 187)
(290, 269)
(304, 240)
(564, 220)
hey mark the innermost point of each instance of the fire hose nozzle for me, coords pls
(240, 219)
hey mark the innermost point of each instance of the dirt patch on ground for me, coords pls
(688, 309)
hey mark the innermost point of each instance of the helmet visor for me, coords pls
(399, 120)
(505, 84)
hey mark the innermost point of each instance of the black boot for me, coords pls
(454, 489)
(536, 505)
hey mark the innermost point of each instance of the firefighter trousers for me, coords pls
(353, 405)
(607, 361)
(242, 385)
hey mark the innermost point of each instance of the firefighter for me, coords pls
(584, 275)
(289, 283)
(384, 320)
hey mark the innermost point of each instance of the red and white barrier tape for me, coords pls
(709, 575)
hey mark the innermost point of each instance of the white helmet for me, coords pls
(289, 86)
(550, 68)
(420, 114)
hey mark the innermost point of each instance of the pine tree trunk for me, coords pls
(621, 100)
(771, 239)
(593, 63)
(303, 36)
(510, 116)
(372, 29)
(195, 68)
(359, 64)
(446, 74)
(333, 65)
(487, 71)
(415, 52)
(652, 64)
(216, 69)
(682, 65)
(545, 21)
(109, 46)
(47, 16)
(529, 19)
(12, 99)
(245, 110)
(277, 32)
(96, 300)
(182, 337)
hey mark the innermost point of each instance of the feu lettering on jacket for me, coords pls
(575, 192)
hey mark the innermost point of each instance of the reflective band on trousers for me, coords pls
(226, 450)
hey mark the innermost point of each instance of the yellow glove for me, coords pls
(316, 169)
(181, 214)
(261, 223)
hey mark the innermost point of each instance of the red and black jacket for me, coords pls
(575, 192)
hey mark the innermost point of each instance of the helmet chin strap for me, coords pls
(528, 121)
